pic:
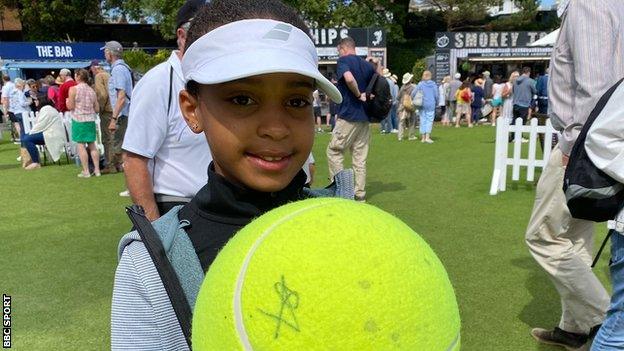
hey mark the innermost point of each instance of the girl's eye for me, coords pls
(242, 100)
(298, 102)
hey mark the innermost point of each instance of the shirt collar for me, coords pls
(118, 62)
(174, 61)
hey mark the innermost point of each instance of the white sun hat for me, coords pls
(252, 47)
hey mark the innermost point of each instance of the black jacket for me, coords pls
(220, 209)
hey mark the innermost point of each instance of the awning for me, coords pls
(46, 64)
(498, 59)
(548, 40)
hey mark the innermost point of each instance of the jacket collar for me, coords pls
(223, 199)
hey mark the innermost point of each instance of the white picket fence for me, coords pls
(70, 146)
(502, 159)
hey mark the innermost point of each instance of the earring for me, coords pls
(195, 127)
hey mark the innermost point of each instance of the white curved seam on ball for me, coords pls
(238, 315)
(455, 342)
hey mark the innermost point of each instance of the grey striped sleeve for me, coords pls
(142, 317)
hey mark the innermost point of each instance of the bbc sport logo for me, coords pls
(6, 321)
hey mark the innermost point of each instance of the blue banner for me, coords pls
(50, 51)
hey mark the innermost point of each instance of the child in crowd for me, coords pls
(250, 69)
(464, 98)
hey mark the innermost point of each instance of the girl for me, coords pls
(250, 69)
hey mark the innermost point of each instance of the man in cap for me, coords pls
(100, 85)
(587, 59)
(386, 124)
(453, 87)
(165, 162)
(120, 94)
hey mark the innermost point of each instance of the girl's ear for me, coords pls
(189, 106)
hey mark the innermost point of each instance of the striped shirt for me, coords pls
(587, 59)
(85, 98)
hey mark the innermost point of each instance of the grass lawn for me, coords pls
(59, 235)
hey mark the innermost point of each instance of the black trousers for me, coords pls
(520, 112)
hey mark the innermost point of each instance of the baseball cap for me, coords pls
(113, 46)
(457, 75)
(188, 11)
(94, 63)
(252, 47)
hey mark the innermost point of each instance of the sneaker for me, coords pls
(19, 159)
(32, 166)
(429, 141)
(560, 337)
(412, 138)
(83, 175)
(524, 141)
(97, 174)
(394, 131)
(124, 193)
(360, 199)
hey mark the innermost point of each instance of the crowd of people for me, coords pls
(85, 95)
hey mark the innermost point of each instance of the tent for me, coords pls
(548, 40)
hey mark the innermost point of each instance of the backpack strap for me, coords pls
(131, 78)
(371, 85)
(165, 269)
(170, 89)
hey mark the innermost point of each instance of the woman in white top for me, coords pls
(19, 104)
(443, 90)
(497, 98)
(507, 95)
(48, 130)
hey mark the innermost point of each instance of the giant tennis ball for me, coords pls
(326, 274)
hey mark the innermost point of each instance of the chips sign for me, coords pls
(363, 37)
(50, 51)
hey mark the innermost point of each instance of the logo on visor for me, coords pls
(279, 32)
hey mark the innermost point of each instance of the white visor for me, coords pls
(252, 47)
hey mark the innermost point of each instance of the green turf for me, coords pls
(59, 235)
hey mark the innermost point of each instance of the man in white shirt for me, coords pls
(588, 59)
(165, 163)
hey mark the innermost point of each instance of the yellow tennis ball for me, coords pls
(326, 274)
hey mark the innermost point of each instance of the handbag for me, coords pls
(417, 101)
(486, 110)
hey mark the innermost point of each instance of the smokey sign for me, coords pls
(486, 40)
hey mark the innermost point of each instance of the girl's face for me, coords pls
(260, 129)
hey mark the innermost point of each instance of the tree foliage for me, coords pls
(462, 14)
(388, 14)
(142, 62)
(522, 20)
(161, 12)
(44, 20)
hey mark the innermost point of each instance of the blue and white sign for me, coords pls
(50, 51)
